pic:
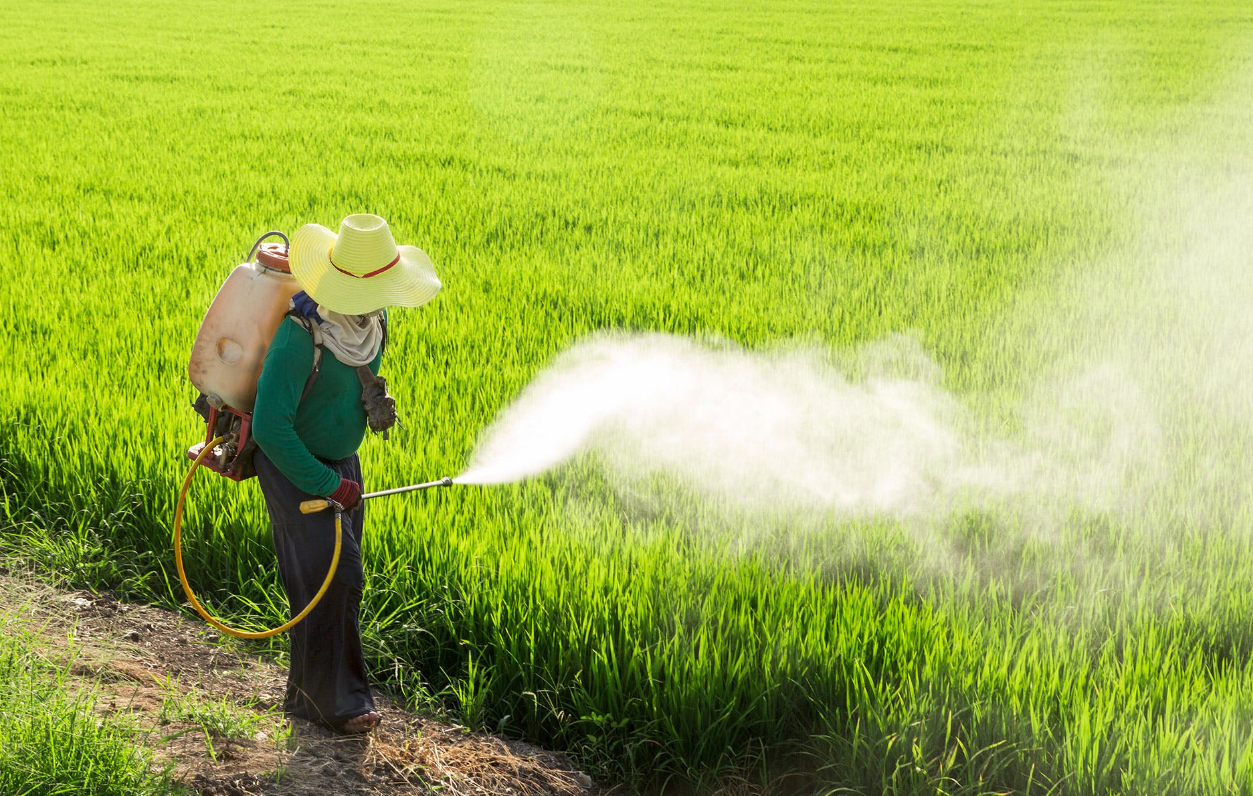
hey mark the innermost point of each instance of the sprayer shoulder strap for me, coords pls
(316, 333)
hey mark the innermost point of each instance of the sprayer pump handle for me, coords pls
(314, 506)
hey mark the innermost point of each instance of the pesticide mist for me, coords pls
(1145, 409)
(745, 427)
(784, 428)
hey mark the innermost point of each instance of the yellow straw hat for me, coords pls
(361, 269)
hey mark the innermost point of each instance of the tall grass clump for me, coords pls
(52, 740)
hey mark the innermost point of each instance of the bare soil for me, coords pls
(140, 660)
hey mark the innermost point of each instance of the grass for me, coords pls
(218, 719)
(981, 174)
(53, 743)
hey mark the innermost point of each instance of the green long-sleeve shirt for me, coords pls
(328, 424)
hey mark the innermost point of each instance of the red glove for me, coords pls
(347, 494)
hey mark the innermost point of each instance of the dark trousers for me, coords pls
(327, 681)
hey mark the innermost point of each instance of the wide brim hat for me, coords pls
(360, 269)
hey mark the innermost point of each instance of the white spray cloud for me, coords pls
(745, 427)
(784, 428)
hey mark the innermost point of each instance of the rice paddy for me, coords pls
(1026, 189)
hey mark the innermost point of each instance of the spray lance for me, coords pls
(322, 504)
(226, 361)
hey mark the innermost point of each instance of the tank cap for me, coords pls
(273, 255)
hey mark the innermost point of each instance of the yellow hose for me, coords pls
(182, 576)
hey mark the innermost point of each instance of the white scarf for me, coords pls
(355, 340)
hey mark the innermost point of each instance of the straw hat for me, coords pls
(361, 269)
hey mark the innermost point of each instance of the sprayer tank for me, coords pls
(229, 351)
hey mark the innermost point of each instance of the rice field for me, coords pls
(1021, 187)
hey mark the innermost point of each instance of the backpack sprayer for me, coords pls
(226, 361)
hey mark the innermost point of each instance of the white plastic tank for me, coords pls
(229, 351)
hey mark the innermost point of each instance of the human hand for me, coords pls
(347, 494)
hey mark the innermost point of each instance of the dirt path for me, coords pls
(212, 709)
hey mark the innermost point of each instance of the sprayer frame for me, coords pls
(226, 459)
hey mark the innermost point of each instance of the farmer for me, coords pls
(308, 423)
